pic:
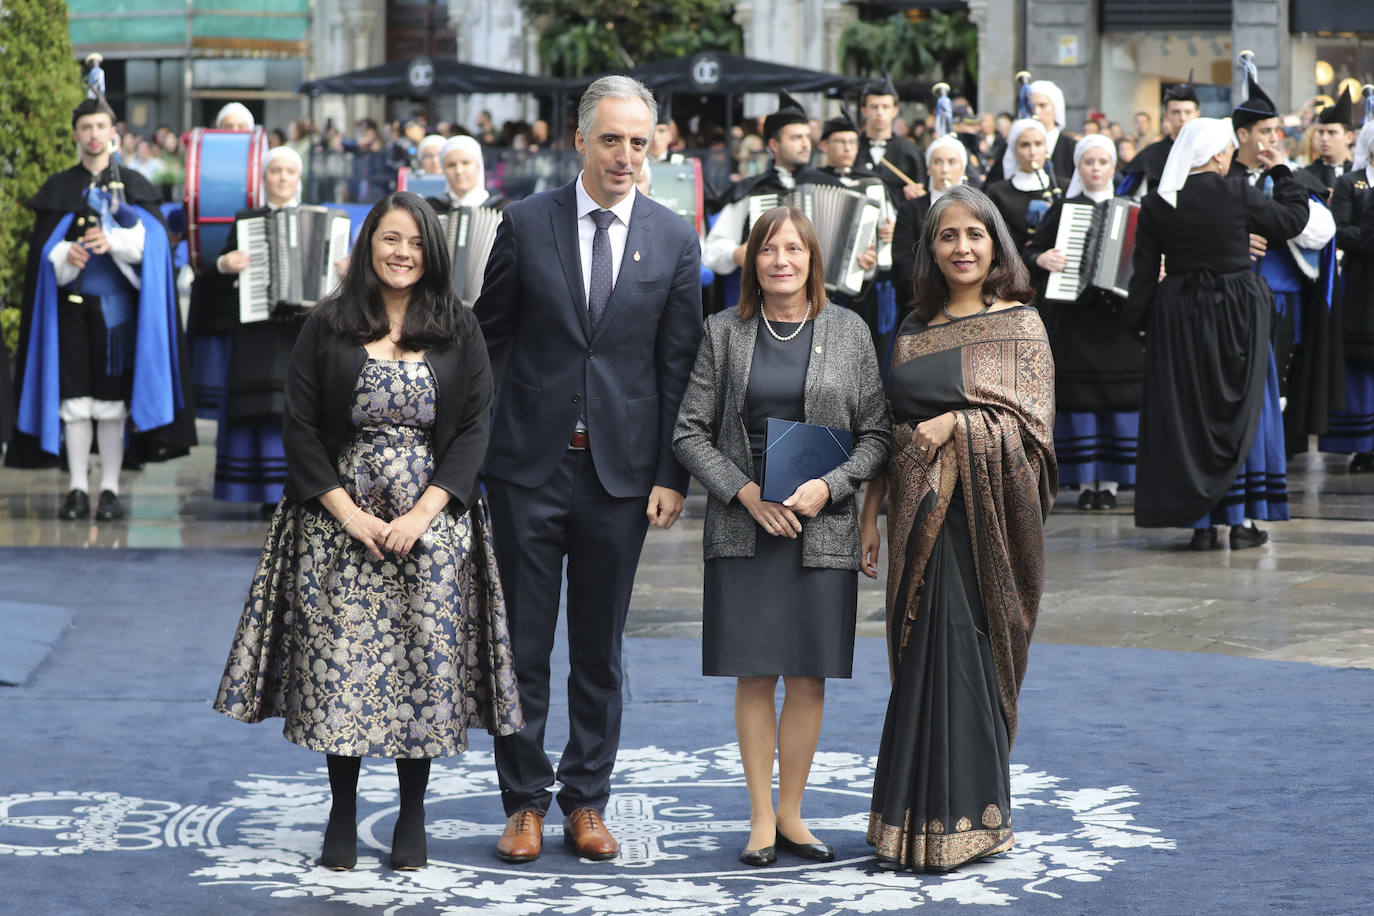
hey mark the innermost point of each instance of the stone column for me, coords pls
(1262, 26)
(1062, 45)
(364, 24)
(998, 29)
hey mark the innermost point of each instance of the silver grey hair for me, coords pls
(612, 87)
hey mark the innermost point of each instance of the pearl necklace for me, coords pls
(778, 337)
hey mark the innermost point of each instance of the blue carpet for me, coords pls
(1144, 781)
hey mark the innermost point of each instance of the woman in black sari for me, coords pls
(971, 479)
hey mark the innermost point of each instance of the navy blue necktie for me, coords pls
(602, 279)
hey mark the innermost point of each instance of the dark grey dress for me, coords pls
(768, 615)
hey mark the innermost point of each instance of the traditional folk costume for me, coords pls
(888, 155)
(250, 459)
(478, 196)
(876, 303)
(1211, 433)
(1300, 270)
(1342, 113)
(1352, 429)
(1058, 145)
(213, 316)
(1024, 198)
(911, 216)
(965, 574)
(1099, 364)
(1141, 175)
(98, 345)
(732, 225)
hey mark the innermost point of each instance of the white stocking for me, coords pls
(110, 434)
(79, 434)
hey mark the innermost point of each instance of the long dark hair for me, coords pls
(1007, 279)
(750, 292)
(356, 309)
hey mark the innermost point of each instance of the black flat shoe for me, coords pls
(1106, 499)
(76, 505)
(1241, 538)
(812, 852)
(108, 508)
(1362, 463)
(1087, 499)
(759, 858)
(1205, 539)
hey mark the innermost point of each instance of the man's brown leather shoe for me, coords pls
(585, 831)
(522, 838)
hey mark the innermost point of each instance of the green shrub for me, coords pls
(40, 86)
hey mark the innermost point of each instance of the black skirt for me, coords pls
(768, 615)
(942, 785)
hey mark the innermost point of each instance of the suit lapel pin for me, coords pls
(818, 348)
(636, 255)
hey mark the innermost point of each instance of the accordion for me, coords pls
(469, 233)
(1098, 242)
(291, 256)
(846, 223)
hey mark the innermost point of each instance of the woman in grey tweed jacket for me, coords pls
(781, 587)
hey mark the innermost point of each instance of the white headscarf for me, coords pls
(285, 152)
(1198, 141)
(237, 108)
(1056, 97)
(426, 143)
(1010, 166)
(1364, 146)
(1079, 150)
(478, 195)
(953, 143)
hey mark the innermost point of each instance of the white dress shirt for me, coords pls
(619, 231)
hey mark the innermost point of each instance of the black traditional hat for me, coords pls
(1256, 106)
(1182, 92)
(93, 81)
(878, 87)
(789, 111)
(1342, 112)
(839, 124)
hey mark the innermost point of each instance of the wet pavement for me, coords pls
(1307, 595)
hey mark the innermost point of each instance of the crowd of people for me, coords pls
(437, 475)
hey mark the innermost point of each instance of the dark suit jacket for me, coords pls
(906, 235)
(319, 410)
(628, 375)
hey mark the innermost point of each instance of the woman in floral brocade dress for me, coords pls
(375, 624)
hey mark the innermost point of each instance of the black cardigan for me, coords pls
(319, 405)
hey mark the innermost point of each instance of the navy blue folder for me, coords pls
(795, 452)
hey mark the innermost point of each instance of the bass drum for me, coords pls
(223, 176)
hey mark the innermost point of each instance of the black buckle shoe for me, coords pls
(1106, 499)
(1362, 463)
(1242, 538)
(1087, 499)
(76, 505)
(1205, 539)
(108, 508)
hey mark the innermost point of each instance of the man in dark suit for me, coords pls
(591, 309)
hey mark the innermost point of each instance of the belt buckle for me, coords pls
(579, 442)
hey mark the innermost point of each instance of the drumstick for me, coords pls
(899, 173)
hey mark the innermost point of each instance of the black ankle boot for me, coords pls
(341, 836)
(408, 842)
